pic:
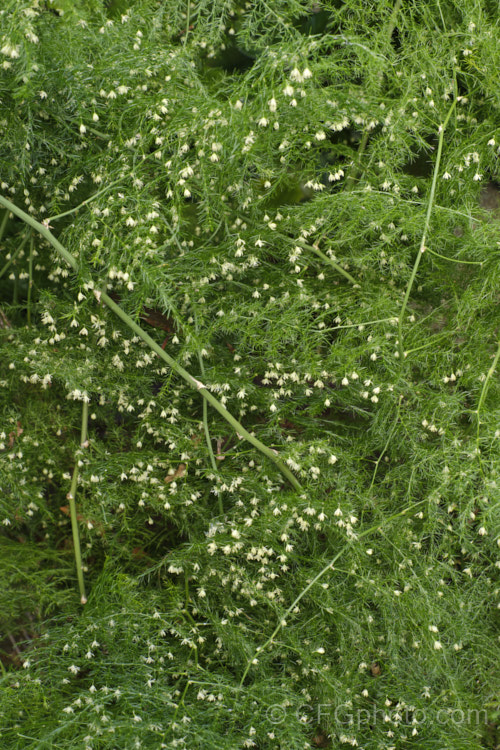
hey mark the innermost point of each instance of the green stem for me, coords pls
(30, 281)
(98, 133)
(484, 390)
(5, 219)
(422, 247)
(72, 506)
(379, 459)
(15, 294)
(393, 197)
(356, 167)
(309, 586)
(205, 416)
(240, 430)
(181, 702)
(329, 260)
(207, 434)
(363, 323)
(432, 342)
(455, 260)
(84, 203)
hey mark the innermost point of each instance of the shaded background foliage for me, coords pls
(184, 153)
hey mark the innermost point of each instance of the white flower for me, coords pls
(306, 73)
(296, 75)
(437, 645)
(83, 129)
(9, 50)
(272, 104)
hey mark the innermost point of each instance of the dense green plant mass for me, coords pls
(296, 202)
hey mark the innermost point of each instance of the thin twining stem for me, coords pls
(85, 202)
(205, 424)
(30, 278)
(362, 324)
(391, 433)
(193, 382)
(309, 586)
(455, 260)
(484, 391)
(422, 248)
(98, 193)
(206, 427)
(72, 505)
(329, 260)
(5, 219)
(394, 196)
